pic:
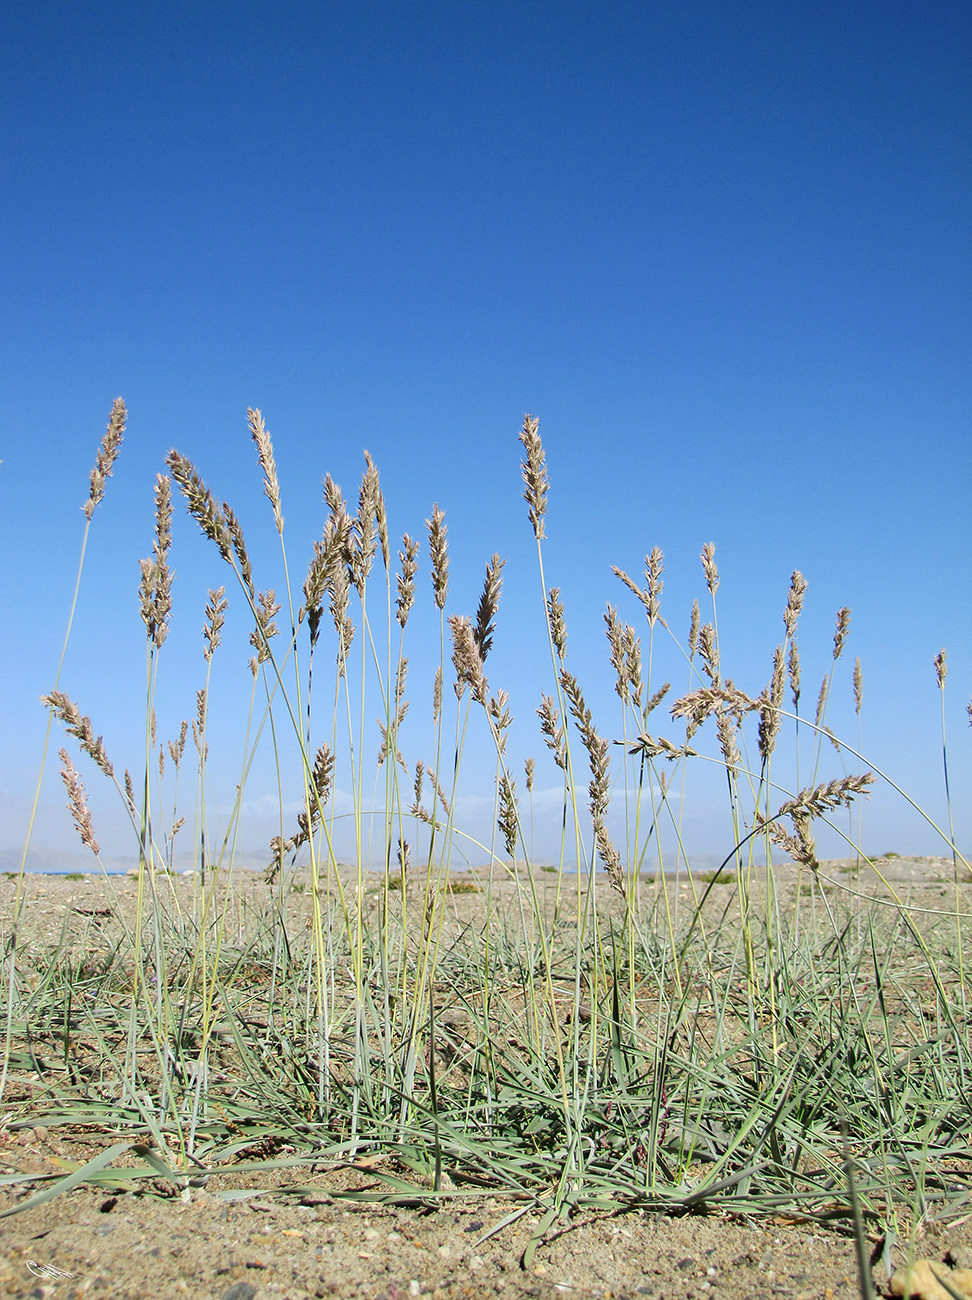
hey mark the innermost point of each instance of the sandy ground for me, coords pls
(257, 1240)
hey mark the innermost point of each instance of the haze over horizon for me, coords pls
(722, 255)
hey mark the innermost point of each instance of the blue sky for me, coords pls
(722, 252)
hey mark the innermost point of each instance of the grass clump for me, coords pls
(586, 1044)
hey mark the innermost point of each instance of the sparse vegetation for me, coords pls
(584, 1044)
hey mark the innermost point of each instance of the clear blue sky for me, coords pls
(722, 251)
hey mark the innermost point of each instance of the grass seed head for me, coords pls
(467, 660)
(840, 636)
(535, 476)
(408, 558)
(200, 503)
(77, 803)
(558, 623)
(941, 669)
(709, 568)
(80, 727)
(107, 455)
(215, 618)
(439, 554)
(794, 669)
(794, 601)
(271, 485)
(488, 605)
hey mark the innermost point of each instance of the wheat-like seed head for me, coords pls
(415, 807)
(840, 636)
(821, 703)
(726, 728)
(271, 485)
(107, 455)
(381, 515)
(770, 703)
(488, 605)
(467, 660)
(709, 650)
(77, 803)
(552, 731)
(363, 544)
(200, 503)
(267, 610)
(439, 554)
(534, 474)
(658, 747)
(178, 748)
(610, 857)
(941, 669)
(859, 687)
(698, 705)
(408, 558)
(437, 696)
(838, 793)
(129, 792)
(558, 623)
(794, 601)
(657, 698)
(235, 532)
(654, 568)
(794, 667)
(215, 618)
(619, 659)
(709, 567)
(693, 639)
(80, 727)
(528, 768)
(199, 724)
(507, 820)
(155, 588)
